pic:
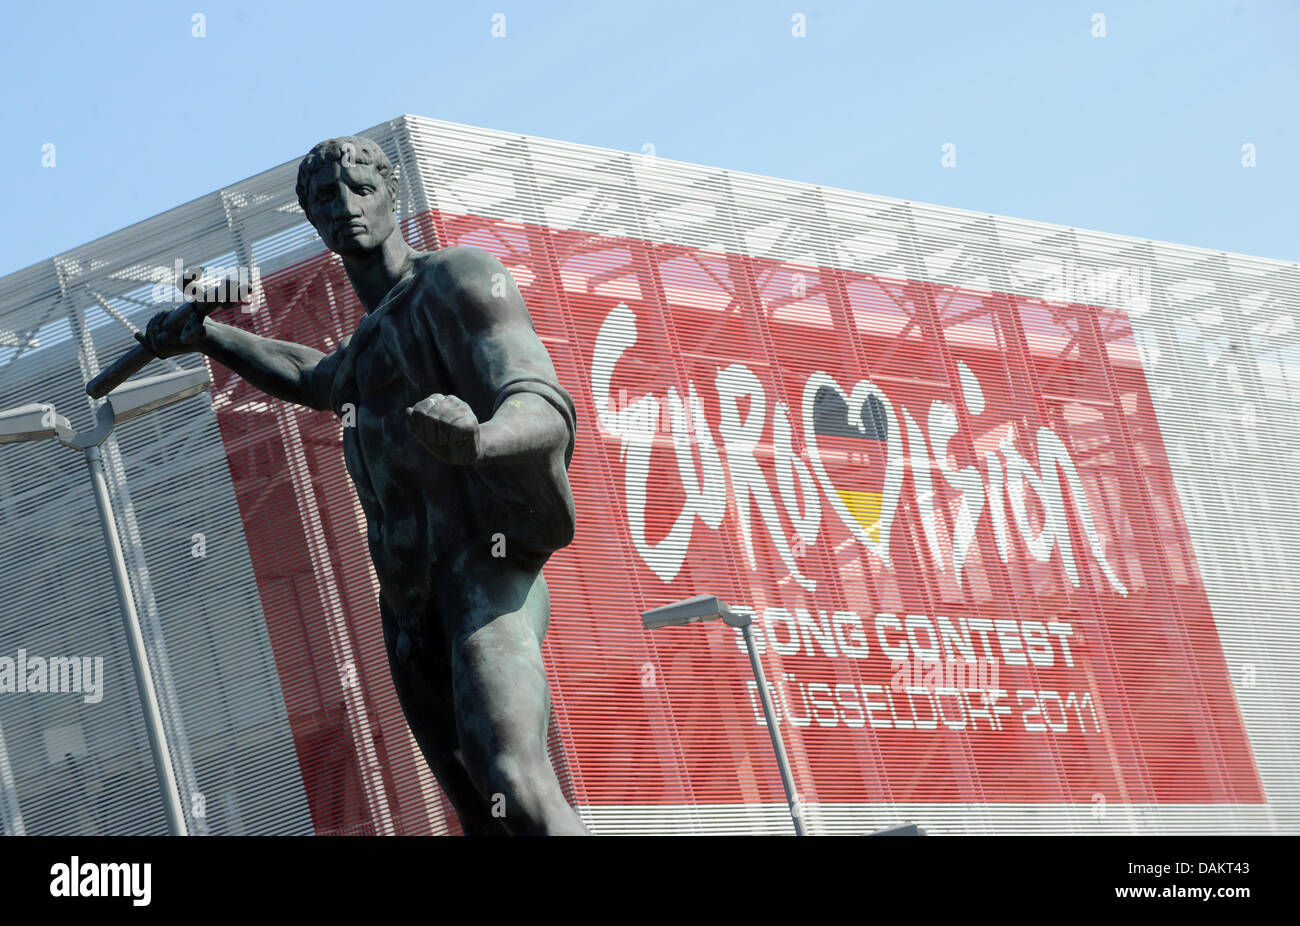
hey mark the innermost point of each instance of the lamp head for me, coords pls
(37, 421)
(139, 397)
(691, 611)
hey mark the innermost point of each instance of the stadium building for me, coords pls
(901, 436)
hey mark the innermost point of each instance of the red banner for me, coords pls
(950, 512)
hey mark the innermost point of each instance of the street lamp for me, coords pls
(40, 421)
(708, 608)
(11, 816)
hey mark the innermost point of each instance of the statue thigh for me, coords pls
(422, 679)
(472, 679)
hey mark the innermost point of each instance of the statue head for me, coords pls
(347, 189)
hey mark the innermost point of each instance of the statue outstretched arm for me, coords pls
(289, 371)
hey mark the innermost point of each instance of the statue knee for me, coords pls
(515, 791)
(504, 778)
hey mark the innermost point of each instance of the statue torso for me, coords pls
(412, 501)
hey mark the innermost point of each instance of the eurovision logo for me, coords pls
(860, 451)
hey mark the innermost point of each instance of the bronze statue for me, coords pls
(459, 455)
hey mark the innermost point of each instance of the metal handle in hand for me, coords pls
(138, 357)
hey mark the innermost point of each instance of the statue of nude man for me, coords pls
(459, 455)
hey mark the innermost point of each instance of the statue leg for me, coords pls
(422, 677)
(495, 613)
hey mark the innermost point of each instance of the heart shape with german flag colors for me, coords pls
(855, 454)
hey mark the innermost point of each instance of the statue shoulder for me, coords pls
(474, 284)
(463, 265)
(464, 269)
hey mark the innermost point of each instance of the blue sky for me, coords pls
(1137, 133)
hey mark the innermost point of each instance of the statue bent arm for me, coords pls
(505, 357)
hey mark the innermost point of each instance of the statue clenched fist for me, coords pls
(447, 427)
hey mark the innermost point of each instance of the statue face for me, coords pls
(351, 207)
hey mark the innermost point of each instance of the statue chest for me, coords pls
(389, 367)
(385, 375)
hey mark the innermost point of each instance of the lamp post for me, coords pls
(11, 816)
(40, 421)
(708, 608)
